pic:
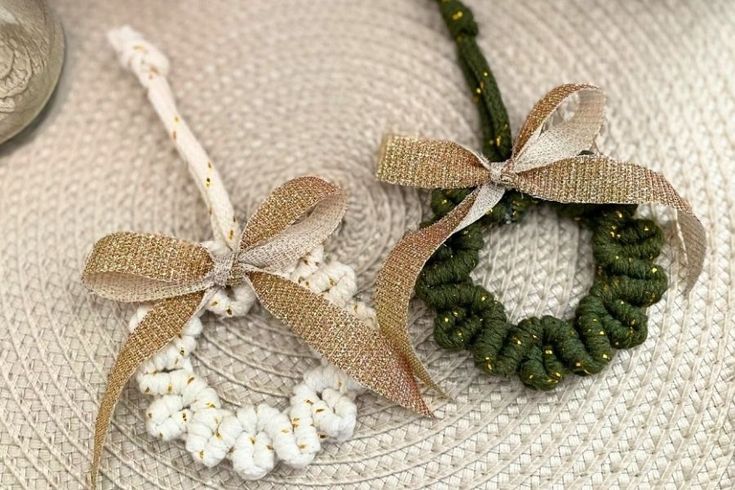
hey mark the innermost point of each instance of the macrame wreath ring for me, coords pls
(277, 259)
(551, 161)
(542, 351)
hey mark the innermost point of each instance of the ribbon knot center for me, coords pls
(223, 268)
(498, 173)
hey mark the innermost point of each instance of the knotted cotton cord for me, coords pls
(184, 406)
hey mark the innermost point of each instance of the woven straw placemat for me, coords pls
(283, 88)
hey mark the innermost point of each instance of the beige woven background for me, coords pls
(281, 88)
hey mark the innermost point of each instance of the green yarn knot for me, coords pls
(459, 19)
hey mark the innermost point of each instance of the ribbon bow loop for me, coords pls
(293, 220)
(547, 135)
(135, 267)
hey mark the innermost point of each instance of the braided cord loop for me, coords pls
(541, 351)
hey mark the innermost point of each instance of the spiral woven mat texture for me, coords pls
(283, 88)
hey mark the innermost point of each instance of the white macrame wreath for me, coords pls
(184, 406)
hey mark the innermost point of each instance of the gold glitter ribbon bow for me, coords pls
(545, 163)
(180, 276)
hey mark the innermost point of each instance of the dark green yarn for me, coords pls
(542, 351)
(496, 137)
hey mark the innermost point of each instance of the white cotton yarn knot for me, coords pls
(233, 301)
(137, 54)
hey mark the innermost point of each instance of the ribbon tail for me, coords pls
(693, 238)
(161, 325)
(343, 339)
(396, 280)
(601, 180)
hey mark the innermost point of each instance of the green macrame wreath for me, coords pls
(542, 351)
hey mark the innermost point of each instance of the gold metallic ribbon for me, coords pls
(545, 163)
(179, 276)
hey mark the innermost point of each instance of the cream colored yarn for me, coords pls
(266, 86)
(185, 407)
(253, 438)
